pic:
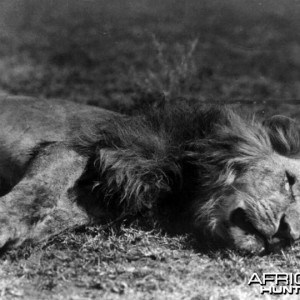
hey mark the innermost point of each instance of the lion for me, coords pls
(229, 180)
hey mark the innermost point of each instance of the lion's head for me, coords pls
(259, 209)
(251, 182)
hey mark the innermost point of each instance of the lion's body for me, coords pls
(202, 169)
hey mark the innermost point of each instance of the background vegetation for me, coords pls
(125, 55)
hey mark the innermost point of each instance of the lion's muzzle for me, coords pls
(248, 237)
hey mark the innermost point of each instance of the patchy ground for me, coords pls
(131, 264)
(126, 55)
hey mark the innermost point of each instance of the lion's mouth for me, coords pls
(249, 238)
(240, 219)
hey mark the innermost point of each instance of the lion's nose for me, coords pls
(287, 231)
(285, 235)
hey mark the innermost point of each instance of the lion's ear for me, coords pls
(284, 134)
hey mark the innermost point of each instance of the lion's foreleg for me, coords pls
(43, 202)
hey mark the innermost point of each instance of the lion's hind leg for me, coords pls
(43, 203)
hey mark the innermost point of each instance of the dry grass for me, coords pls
(173, 73)
(126, 55)
(128, 263)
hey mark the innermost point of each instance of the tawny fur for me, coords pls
(186, 168)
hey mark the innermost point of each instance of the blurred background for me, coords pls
(128, 54)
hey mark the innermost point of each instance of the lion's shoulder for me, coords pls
(28, 122)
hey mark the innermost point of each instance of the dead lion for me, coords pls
(206, 170)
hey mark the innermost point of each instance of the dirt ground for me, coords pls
(127, 55)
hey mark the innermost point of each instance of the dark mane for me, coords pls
(166, 157)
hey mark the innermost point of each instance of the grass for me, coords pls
(127, 55)
(173, 73)
(131, 264)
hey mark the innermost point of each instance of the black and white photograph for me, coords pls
(149, 149)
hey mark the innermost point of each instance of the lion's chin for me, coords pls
(246, 242)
